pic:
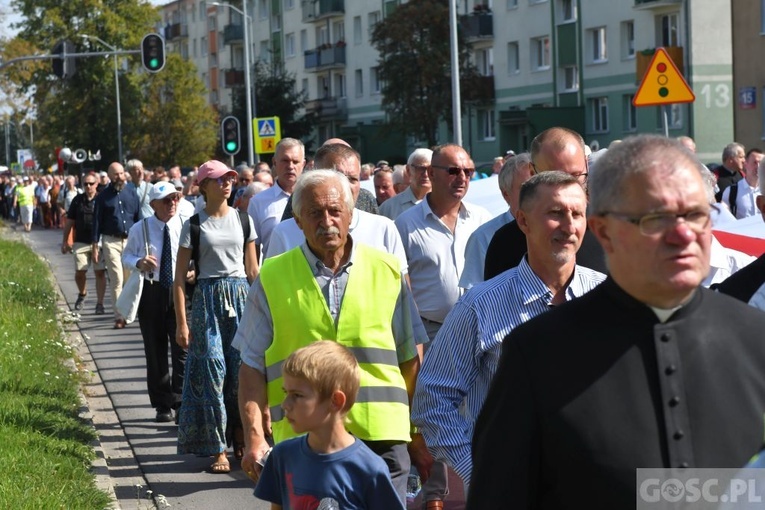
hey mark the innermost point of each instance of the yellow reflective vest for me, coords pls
(301, 316)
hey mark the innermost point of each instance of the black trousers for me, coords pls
(156, 317)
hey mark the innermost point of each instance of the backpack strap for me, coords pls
(245, 221)
(195, 232)
(732, 198)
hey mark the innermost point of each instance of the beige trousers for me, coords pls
(111, 251)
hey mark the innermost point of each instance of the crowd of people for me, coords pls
(594, 327)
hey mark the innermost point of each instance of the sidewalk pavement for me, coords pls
(137, 455)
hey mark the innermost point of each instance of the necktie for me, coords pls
(166, 264)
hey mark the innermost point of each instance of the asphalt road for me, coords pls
(136, 454)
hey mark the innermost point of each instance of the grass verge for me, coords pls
(45, 447)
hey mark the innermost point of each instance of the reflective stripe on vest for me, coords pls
(301, 316)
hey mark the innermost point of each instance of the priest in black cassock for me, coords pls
(648, 370)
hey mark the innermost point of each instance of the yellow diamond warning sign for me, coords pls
(662, 83)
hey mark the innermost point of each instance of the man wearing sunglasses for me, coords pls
(647, 370)
(556, 148)
(419, 185)
(434, 233)
(156, 314)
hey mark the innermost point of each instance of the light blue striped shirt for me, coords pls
(460, 363)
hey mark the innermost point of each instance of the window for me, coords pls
(513, 65)
(194, 48)
(668, 30)
(338, 31)
(289, 4)
(599, 112)
(276, 22)
(339, 85)
(675, 116)
(376, 83)
(357, 30)
(265, 53)
(598, 51)
(289, 45)
(263, 9)
(540, 53)
(570, 78)
(513, 4)
(629, 113)
(304, 87)
(303, 40)
(203, 46)
(484, 61)
(628, 39)
(359, 82)
(567, 10)
(322, 35)
(486, 130)
(323, 85)
(211, 23)
(373, 19)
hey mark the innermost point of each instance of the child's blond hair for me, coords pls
(328, 367)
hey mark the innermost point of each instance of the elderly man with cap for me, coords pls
(156, 314)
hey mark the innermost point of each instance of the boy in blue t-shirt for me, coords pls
(327, 468)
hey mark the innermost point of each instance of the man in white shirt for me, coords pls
(419, 185)
(435, 233)
(156, 315)
(266, 208)
(142, 188)
(740, 197)
(370, 229)
(515, 171)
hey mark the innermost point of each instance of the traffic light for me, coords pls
(229, 135)
(64, 67)
(153, 52)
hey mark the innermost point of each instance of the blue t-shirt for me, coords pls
(355, 478)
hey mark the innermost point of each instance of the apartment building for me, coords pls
(576, 63)
(748, 75)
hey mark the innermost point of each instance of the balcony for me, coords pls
(233, 34)
(644, 58)
(478, 89)
(325, 57)
(233, 78)
(328, 108)
(176, 31)
(655, 4)
(315, 10)
(477, 25)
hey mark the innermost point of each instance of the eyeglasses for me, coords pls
(226, 179)
(657, 223)
(172, 199)
(421, 168)
(90, 183)
(455, 170)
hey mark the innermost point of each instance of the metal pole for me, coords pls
(456, 113)
(248, 68)
(116, 89)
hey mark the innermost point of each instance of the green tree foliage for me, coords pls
(81, 112)
(414, 66)
(175, 125)
(276, 95)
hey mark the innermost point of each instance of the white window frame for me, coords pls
(600, 114)
(303, 40)
(673, 36)
(628, 39)
(288, 5)
(289, 45)
(540, 53)
(570, 75)
(357, 31)
(630, 114)
(567, 11)
(598, 45)
(358, 84)
(375, 83)
(513, 4)
(484, 61)
(675, 116)
(373, 18)
(487, 129)
(514, 57)
(339, 90)
(263, 9)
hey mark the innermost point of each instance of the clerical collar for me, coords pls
(664, 314)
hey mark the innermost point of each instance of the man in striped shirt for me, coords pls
(461, 362)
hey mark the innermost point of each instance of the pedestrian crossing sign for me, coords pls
(268, 132)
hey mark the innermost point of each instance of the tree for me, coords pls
(175, 125)
(414, 67)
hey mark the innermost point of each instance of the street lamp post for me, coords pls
(116, 88)
(247, 85)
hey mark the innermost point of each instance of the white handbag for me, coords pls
(130, 297)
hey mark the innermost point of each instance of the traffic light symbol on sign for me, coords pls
(662, 83)
(153, 52)
(230, 135)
